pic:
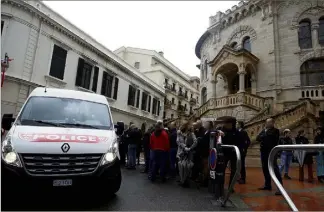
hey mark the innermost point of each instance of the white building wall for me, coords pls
(152, 64)
(30, 43)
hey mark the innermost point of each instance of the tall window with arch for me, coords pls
(305, 34)
(205, 69)
(203, 95)
(246, 43)
(312, 72)
(321, 31)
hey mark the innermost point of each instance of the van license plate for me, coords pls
(212, 174)
(57, 183)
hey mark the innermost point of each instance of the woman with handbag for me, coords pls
(301, 139)
(319, 139)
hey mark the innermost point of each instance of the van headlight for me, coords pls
(111, 154)
(8, 153)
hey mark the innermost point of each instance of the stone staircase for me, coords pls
(301, 116)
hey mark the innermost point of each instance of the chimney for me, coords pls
(161, 53)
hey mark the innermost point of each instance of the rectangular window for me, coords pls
(137, 65)
(158, 108)
(83, 77)
(116, 88)
(144, 101)
(58, 62)
(138, 94)
(95, 79)
(2, 24)
(107, 84)
(155, 106)
(131, 95)
(149, 104)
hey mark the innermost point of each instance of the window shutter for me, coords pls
(149, 104)
(78, 80)
(138, 98)
(158, 108)
(95, 79)
(116, 88)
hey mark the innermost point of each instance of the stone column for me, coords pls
(315, 41)
(241, 73)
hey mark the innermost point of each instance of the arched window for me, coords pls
(205, 69)
(312, 72)
(234, 45)
(203, 95)
(305, 34)
(247, 44)
(321, 31)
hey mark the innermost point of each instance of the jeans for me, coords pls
(132, 155)
(285, 161)
(159, 163)
(265, 169)
(243, 171)
(147, 159)
(173, 161)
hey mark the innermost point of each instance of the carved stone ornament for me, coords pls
(240, 32)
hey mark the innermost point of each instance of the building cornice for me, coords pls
(99, 49)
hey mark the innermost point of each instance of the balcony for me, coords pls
(193, 101)
(182, 95)
(313, 92)
(169, 87)
(181, 109)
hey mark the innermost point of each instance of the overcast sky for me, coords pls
(173, 27)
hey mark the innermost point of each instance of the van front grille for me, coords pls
(56, 164)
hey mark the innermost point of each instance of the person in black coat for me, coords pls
(243, 149)
(146, 147)
(231, 137)
(269, 138)
(173, 149)
(121, 140)
(301, 139)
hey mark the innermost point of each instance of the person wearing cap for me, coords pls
(285, 156)
(160, 145)
(268, 139)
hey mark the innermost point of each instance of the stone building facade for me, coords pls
(181, 90)
(47, 50)
(262, 53)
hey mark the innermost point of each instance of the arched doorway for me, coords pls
(203, 95)
(231, 79)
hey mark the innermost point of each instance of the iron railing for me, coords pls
(273, 156)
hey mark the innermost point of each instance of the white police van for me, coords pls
(61, 139)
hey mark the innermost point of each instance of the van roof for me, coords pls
(71, 94)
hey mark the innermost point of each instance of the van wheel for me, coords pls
(116, 183)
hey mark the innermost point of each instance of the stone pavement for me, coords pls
(306, 196)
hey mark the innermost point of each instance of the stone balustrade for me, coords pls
(313, 92)
(256, 102)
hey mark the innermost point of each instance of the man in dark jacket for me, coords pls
(268, 138)
(121, 140)
(173, 149)
(134, 140)
(243, 149)
(146, 147)
(231, 137)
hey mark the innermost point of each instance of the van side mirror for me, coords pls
(7, 122)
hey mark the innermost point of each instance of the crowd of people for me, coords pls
(170, 151)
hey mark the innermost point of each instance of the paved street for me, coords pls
(136, 193)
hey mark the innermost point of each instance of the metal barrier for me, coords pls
(272, 157)
(237, 171)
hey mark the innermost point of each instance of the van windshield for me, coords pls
(65, 112)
